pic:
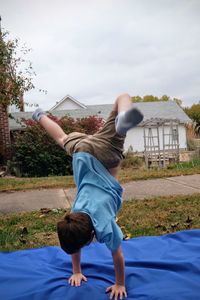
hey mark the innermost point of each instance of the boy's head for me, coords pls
(75, 231)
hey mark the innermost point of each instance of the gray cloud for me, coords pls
(95, 50)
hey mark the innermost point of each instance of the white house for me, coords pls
(135, 137)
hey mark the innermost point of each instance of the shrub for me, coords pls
(2, 159)
(132, 161)
(36, 154)
(191, 146)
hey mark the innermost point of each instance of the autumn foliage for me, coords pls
(36, 154)
(194, 113)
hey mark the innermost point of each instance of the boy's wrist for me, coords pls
(75, 271)
(76, 266)
(120, 283)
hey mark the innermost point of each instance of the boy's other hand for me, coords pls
(75, 279)
(116, 290)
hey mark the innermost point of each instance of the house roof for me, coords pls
(163, 110)
(99, 110)
(66, 98)
(150, 110)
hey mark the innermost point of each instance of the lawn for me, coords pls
(125, 175)
(154, 216)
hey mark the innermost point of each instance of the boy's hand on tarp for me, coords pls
(117, 290)
(76, 279)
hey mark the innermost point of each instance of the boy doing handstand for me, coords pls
(96, 160)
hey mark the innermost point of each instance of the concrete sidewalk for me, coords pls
(63, 198)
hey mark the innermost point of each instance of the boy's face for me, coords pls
(88, 243)
(91, 238)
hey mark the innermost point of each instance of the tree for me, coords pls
(194, 113)
(137, 99)
(151, 98)
(165, 98)
(146, 98)
(178, 101)
(14, 81)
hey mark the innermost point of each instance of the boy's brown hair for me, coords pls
(74, 231)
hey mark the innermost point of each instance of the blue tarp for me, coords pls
(157, 268)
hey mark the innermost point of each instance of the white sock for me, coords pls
(126, 120)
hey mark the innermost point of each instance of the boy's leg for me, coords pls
(122, 103)
(52, 128)
(110, 132)
(128, 116)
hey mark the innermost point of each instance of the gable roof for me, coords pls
(165, 110)
(66, 99)
(162, 110)
(102, 111)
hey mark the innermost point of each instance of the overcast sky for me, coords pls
(96, 49)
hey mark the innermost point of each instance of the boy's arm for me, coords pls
(76, 262)
(118, 260)
(77, 276)
(52, 128)
(118, 289)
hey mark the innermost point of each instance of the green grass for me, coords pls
(28, 230)
(185, 165)
(143, 174)
(125, 175)
(154, 216)
(160, 215)
(16, 184)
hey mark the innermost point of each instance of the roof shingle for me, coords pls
(166, 110)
